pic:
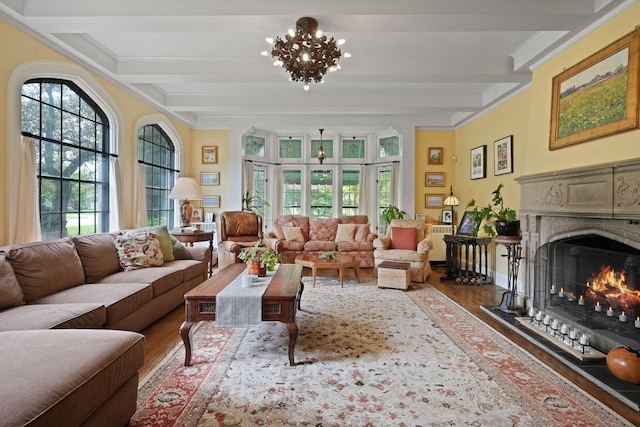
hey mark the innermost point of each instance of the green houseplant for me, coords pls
(249, 203)
(497, 218)
(259, 259)
(389, 213)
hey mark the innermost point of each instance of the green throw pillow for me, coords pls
(163, 236)
(179, 250)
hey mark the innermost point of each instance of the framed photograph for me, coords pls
(435, 155)
(598, 96)
(196, 215)
(503, 155)
(211, 201)
(208, 217)
(210, 154)
(447, 216)
(434, 179)
(479, 162)
(420, 217)
(434, 200)
(468, 227)
(209, 178)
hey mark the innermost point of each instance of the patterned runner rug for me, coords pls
(370, 357)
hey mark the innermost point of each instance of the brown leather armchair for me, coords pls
(237, 230)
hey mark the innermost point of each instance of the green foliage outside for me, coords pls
(594, 105)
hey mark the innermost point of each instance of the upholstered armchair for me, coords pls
(236, 230)
(407, 240)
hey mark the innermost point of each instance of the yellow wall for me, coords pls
(424, 140)
(208, 138)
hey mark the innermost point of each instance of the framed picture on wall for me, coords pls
(210, 155)
(435, 155)
(479, 162)
(503, 155)
(209, 178)
(211, 201)
(434, 200)
(434, 179)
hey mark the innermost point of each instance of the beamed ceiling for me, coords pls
(430, 63)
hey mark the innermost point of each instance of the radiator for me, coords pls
(439, 251)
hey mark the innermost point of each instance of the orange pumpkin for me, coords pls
(624, 363)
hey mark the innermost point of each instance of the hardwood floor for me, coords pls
(163, 335)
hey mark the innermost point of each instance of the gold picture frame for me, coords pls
(436, 155)
(590, 100)
(210, 155)
(432, 201)
(434, 179)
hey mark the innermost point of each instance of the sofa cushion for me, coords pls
(98, 255)
(362, 233)
(354, 219)
(293, 234)
(50, 316)
(44, 268)
(70, 373)
(291, 245)
(120, 299)
(323, 229)
(346, 232)
(161, 279)
(354, 246)
(320, 246)
(163, 236)
(403, 238)
(10, 291)
(138, 250)
(189, 268)
(277, 229)
(297, 221)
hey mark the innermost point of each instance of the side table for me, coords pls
(198, 236)
(514, 250)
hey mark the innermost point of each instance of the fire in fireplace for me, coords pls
(592, 282)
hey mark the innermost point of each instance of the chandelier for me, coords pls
(306, 53)
(321, 152)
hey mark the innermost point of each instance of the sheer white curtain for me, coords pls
(363, 205)
(395, 169)
(140, 198)
(276, 199)
(115, 190)
(247, 179)
(27, 227)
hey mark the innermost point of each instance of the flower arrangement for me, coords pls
(265, 257)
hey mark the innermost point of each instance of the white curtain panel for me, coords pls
(115, 190)
(27, 227)
(363, 204)
(140, 198)
(395, 168)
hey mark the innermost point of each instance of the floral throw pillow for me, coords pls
(138, 250)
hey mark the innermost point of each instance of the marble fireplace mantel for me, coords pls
(602, 199)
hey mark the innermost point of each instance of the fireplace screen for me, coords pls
(592, 281)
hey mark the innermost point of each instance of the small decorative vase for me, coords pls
(254, 268)
(624, 363)
(511, 228)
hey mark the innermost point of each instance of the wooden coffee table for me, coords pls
(280, 301)
(314, 262)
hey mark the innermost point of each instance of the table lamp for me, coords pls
(185, 189)
(451, 201)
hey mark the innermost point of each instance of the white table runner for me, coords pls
(238, 307)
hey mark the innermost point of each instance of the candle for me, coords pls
(539, 315)
(584, 339)
(561, 294)
(623, 317)
(555, 324)
(553, 289)
(547, 319)
(610, 312)
(581, 300)
(637, 322)
(532, 312)
(564, 329)
(598, 307)
(573, 334)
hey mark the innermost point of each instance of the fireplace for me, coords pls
(593, 283)
(581, 249)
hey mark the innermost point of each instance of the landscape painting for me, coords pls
(598, 96)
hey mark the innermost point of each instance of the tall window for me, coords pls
(350, 192)
(321, 194)
(384, 196)
(72, 157)
(259, 188)
(292, 192)
(157, 153)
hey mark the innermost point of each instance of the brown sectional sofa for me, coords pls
(68, 351)
(318, 236)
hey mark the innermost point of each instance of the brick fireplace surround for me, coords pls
(601, 200)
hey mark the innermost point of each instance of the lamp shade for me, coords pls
(451, 201)
(185, 189)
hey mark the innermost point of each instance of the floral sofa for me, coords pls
(293, 235)
(69, 309)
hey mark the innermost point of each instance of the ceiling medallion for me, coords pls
(306, 53)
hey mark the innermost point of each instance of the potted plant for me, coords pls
(259, 259)
(389, 213)
(497, 218)
(249, 203)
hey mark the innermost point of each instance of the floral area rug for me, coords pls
(366, 357)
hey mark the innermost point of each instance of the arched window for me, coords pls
(157, 153)
(72, 156)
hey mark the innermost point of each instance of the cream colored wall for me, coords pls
(219, 138)
(424, 140)
(616, 147)
(22, 49)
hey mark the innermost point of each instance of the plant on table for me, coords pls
(259, 257)
(330, 255)
(496, 217)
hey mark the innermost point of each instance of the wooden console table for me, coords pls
(200, 236)
(467, 259)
